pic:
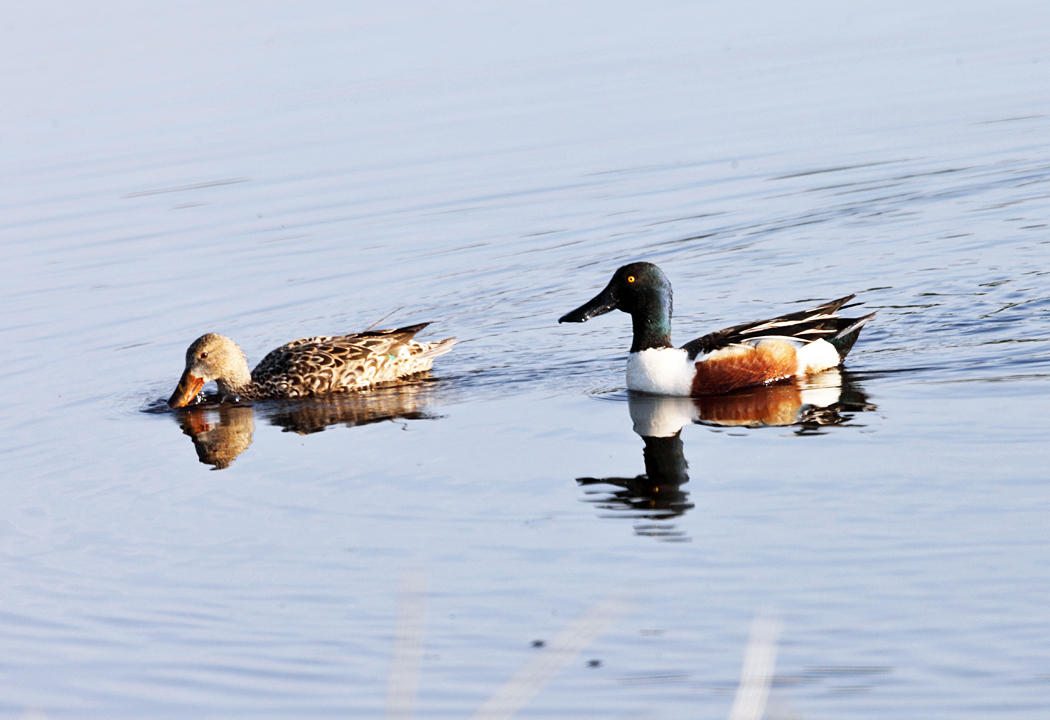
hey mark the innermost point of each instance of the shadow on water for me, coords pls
(222, 431)
(653, 498)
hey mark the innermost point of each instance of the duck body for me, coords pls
(307, 367)
(745, 355)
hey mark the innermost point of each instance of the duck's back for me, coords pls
(341, 363)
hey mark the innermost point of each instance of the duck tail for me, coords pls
(433, 349)
(409, 330)
(844, 339)
(403, 333)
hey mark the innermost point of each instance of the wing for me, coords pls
(333, 363)
(805, 325)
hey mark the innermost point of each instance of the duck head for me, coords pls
(642, 290)
(211, 357)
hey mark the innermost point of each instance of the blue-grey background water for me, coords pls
(273, 170)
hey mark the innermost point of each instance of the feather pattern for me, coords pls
(311, 366)
(752, 353)
(819, 323)
(338, 363)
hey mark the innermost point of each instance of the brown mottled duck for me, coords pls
(307, 367)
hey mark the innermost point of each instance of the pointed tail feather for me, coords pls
(433, 349)
(833, 306)
(820, 322)
(847, 336)
(408, 331)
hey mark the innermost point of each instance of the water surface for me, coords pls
(271, 173)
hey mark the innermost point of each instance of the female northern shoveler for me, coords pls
(753, 353)
(309, 366)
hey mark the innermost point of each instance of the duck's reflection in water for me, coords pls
(221, 432)
(654, 498)
(832, 397)
(399, 402)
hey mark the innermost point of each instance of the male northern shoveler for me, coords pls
(309, 366)
(753, 353)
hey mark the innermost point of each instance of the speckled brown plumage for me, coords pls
(309, 366)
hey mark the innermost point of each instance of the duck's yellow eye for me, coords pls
(630, 278)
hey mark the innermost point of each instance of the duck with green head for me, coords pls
(753, 353)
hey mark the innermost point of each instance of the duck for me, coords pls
(753, 353)
(313, 366)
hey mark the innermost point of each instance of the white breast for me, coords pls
(661, 371)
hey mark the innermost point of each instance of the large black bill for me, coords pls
(600, 304)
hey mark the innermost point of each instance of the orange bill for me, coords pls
(187, 389)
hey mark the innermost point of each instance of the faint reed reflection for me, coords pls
(749, 703)
(656, 496)
(523, 686)
(756, 673)
(555, 655)
(403, 683)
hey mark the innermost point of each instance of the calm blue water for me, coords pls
(273, 172)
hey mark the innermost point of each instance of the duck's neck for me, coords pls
(651, 318)
(237, 381)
